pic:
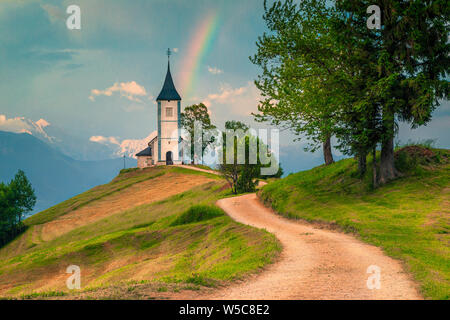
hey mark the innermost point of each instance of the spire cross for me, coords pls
(169, 53)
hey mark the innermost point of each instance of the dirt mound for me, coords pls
(416, 152)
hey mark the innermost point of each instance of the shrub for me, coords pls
(198, 213)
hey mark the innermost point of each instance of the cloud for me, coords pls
(175, 50)
(13, 124)
(104, 140)
(234, 103)
(227, 94)
(130, 90)
(214, 70)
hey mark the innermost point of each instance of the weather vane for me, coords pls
(169, 53)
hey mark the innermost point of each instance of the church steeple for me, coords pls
(168, 92)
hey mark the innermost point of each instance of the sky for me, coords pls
(102, 80)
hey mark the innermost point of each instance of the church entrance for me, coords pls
(169, 159)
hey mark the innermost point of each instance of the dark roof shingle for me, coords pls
(168, 91)
(145, 153)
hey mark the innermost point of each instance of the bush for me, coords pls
(198, 213)
(123, 171)
(404, 162)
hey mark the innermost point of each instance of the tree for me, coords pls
(23, 194)
(16, 199)
(197, 113)
(326, 73)
(410, 54)
(241, 175)
(300, 82)
(8, 220)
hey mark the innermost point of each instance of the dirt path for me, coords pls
(314, 264)
(197, 169)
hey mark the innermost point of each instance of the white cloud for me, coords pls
(227, 94)
(234, 103)
(16, 125)
(104, 140)
(130, 90)
(214, 70)
(175, 50)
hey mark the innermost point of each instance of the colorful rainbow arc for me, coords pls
(200, 45)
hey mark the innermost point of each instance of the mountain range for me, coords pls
(54, 175)
(76, 147)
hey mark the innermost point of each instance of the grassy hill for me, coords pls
(155, 229)
(409, 218)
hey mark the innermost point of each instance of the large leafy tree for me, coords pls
(197, 113)
(326, 73)
(410, 54)
(16, 199)
(23, 194)
(301, 79)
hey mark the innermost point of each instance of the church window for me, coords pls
(169, 112)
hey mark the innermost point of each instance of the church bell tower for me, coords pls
(169, 109)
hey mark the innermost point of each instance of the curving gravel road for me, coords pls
(314, 263)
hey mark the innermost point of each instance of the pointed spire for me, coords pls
(168, 91)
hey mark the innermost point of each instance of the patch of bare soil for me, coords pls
(138, 194)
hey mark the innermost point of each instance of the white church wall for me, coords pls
(169, 130)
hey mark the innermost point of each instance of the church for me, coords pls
(166, 147)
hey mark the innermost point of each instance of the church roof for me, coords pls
(145, 153)
(168, 91)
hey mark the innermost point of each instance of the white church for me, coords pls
(166, 147)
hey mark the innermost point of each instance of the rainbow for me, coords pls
(200, 45)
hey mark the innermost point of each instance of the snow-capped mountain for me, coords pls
(78, 148)
(130, 147)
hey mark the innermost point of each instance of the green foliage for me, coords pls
(197, 113)
(123, 171)
(405, 162)
(237, 168)
(198, 213)
(325, 73)
(302, 80)
(16, 199)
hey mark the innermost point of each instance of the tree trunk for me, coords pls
(362, 162)
(387, 167)
(328, 156)
(374, 168)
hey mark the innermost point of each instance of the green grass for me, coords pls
(183, 239)
(408, 218)
(198, 213)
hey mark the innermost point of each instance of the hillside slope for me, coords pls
(155, 227)
(55, 176)
(408, 218)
